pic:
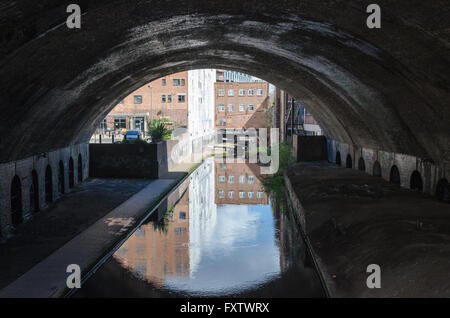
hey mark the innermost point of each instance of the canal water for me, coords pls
(217, 235)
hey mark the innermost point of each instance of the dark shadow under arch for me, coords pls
(376, 171)
(16, 201)
(48, 185)
(394, 176)
(34, 192)
(80, 169)
(338, 158)
(361, 164)
(61, 179)
(416, 182)
(443, 190)
(349, 162)
(71, 173)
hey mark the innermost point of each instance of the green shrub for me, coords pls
(158, 130)
(274, 184)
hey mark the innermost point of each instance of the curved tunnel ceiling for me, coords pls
(384, 88)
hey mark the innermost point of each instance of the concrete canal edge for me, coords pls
(88, 272)
(300, 218)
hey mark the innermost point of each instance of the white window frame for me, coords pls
(231, 107)
(251, 179)
(231, 194)
(242, 107)
(259, 92)
(242, 179)
(231, 91)
(242, 92)
(231, 179)
(250, 195)
(260, 195)
(251, 107)
(221, 108)
(251, 92)
(221, 92)
(242, 194)
(221, 179)
(221, 194)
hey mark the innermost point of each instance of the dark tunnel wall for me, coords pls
(382, 88)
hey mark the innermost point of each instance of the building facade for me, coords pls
(240, 105)
(166, 97)
(232, 76)
(238, 183)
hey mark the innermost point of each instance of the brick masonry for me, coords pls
(23, 169)
(430, 172)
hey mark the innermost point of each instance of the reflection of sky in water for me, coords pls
(240, 253)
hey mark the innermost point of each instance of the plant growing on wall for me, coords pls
(158, 130)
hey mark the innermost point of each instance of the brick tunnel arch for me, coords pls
(360, 84)
(349, 162)
(376, 171)
(394, 176)
(34, 194)
(443, 190)
(48, 185)
(416, 182)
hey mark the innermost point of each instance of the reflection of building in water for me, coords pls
(238, 183)
(152, 253)
(203, 221)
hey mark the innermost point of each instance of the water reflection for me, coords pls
(216, 235)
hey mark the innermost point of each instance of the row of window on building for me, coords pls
(242, 179)
(181, 98)
(221, 107)
(251, 195)
(250, 92)
(175, 82)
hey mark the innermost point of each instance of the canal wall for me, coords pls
(381, 163)
(68, 166)
(351, 220)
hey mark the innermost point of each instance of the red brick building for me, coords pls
(241, 105)
(166, 97)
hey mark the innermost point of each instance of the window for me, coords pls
(223, 165)
(231, 194)
(104, 124)
(242, 107)
(163, 82)
(230, 179)
(231, 92)
(250, 195)
(183, 82)
(259, 92)
(221, 179)
(251, 92)
(251, 108)
(221, 194)
(163, 98)
(138, 99)
(181, 98)
(242, 179)
(231, 108)
(260, 195)
(221, 107)
(180, 230)
(169, 98)
(176, 82)
(242, 194)
(242, 92)
(183, 215)
(221, 92)
(224, 122)
(251, 179)
(120, 123)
